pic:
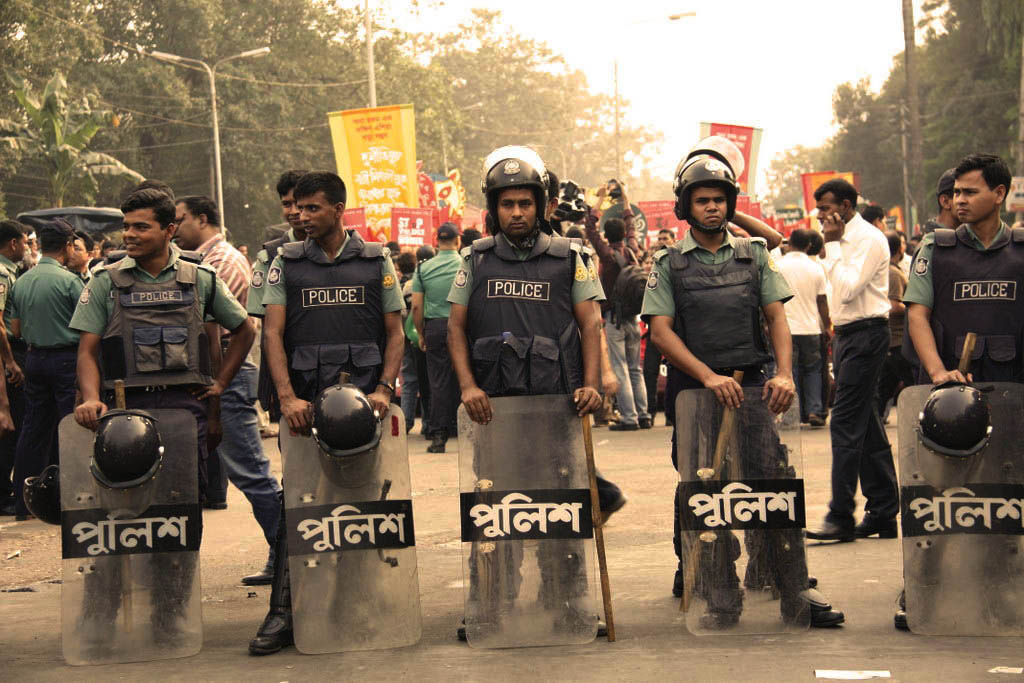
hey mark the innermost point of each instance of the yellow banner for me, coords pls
(375, 150)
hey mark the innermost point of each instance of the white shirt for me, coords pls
(857, 266)
(905, 264)
(807, 280)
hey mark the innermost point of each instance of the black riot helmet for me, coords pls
(127, 451)
(344, 423)
(42, 495)
(514, 166)
(955, 420)
(701, 171)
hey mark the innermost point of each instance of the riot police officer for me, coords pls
(13, 243)
(704, 302)
(332, 305)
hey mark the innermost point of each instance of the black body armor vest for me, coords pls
(334, 315)
(265, 391)
(522, 331)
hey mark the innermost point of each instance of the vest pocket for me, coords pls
(1001, 348)
(175, 348)
(545, 369)
(149, 356)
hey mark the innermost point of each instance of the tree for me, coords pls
(56, 130)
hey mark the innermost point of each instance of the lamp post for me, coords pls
(615, 73)
(212, 73)
(369, 55)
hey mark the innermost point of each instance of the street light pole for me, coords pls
(211, 72)
(369, 55)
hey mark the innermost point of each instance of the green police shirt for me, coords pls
(433, 279)
(254, 304)
(919, 287)
(8, 274)
(43, 300)
(391, 291)
(96, 304)
(659, 299)
(584, 285)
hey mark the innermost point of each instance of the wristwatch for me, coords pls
(388, 385)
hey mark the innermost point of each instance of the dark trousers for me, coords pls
(49, 396)
(859, 444)
(9, 441)
(444, 386)
(652, 368)
(896, 371)
(807, 373)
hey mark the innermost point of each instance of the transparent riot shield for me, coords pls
(527, 531)
(131, 586)
(351, 544)
(741, 505)
(962, 521)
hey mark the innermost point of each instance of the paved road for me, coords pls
(861, 578)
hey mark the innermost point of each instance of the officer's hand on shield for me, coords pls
(478, 406)
(779, 392)
(299, 414)
(380, 400)
(727, 390)
(951, 376)
(88, 413)
(587, 400)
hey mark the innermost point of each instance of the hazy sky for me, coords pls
(773, 65)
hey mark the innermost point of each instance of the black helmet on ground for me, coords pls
(704, 171)
(514, 166)
(344, 422)
(955, 420)
(42, 495)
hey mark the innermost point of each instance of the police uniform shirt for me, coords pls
(919, 287)
(43, 299)
(585, 286)
(96, 304)
(659, 299)
(276, 292)
(8, 274)
(433, 279)
(254, 304)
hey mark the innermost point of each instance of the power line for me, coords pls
(168, 144)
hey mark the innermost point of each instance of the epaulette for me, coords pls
(945, 237)
(660, 254)
(191, 256)
(466, 252)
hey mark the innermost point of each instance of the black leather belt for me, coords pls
(862, 324)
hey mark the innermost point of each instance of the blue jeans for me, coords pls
(807, 373)
(241, 450)
(624, 354)
(415, 389)
(49, 396)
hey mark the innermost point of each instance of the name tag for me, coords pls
(518, 289)
(985, 290)
(332, 296)
(159, 298)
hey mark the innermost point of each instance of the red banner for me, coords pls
(755, 210)
(356, 219)
(812, 181)
(743, 204)
(748, 139)
(412, 227)
(428, 198)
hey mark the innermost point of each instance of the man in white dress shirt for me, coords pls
(807, 315)
(857, 266)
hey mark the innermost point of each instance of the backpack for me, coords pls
(627, 295)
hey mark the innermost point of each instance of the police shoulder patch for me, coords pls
(3, 288)
(389, 281)
(920, 265)
(652, 280)
(257, 278)
(592, 269)
(83, 299)
(461, 278)
(274, 275)
(771, 264)
(581, 273)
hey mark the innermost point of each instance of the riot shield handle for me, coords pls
(119, 399)
(968, 351)
(721, 445)
(126, 560)
(598, 519)
(343, 377)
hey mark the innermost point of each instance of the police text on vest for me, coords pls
(332, 296)
(518, 289)
(985, 290)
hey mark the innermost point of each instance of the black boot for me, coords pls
(276, 630)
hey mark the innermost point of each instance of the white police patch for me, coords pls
(461, 278)
(921, 266)
(257, 278)
(84, 299)
(652, 280)
(274, 275)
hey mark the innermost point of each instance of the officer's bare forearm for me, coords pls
(273, 340)
(417, 312)
(675, 351)
(782, 341)
(5, 346)
(88, 369)
(458, 347)
(589, 322)
(758, 228)
(238, 348)
(920, 328)
(394, 348)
